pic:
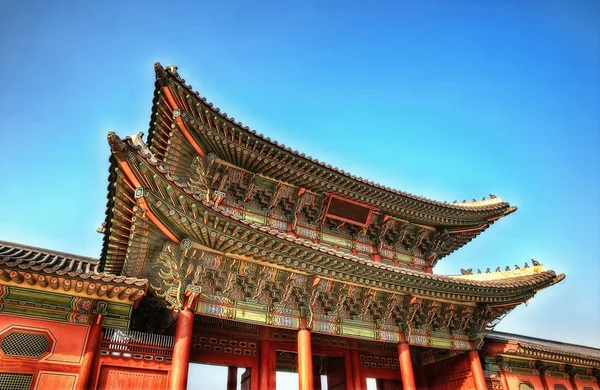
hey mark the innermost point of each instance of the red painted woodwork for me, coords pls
(60, 381)
(360, 381)
(121, 378)
(503, 379)
(60, 367)
(584, 384)
(421, 378)
(476, 370)
(450, 374)
(181, 350)
(232, 378)
(91, 351)
(68, 339)
(266, 365)
(515, 380)
(406, 369)
(552, 382)
(305, 368)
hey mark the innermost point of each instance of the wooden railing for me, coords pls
(136, 345)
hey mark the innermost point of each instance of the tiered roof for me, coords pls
(178, 213)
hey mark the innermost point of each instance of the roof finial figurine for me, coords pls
(492, 196)
(507, 268)
(487, 271)
(535, 262)
(517, 266)
(526, 265)
(478, 271)
(466, 271)
(497, 269)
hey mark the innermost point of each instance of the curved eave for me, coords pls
(171, 214)
(41, 269)
(366, 191)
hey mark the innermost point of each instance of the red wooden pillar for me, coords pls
(406, 368)
(503, 379)
(181, 350)
(89, 357)
(232, 378)
(267, 362)
(476, 370)
(359, 382)
(305, 369)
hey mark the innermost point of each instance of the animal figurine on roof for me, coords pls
(466, 271)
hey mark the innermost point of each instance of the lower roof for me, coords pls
(30, 258)
(537, 348)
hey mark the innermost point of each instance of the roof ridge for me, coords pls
(16, 245)
(162, 72)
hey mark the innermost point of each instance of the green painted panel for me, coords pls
(115, 323)
(39, 297)
(440, 343)
(251, 305)
(359, 332)
(336, 240)
(35, 312)
(522, 371)
(251, 316)
(404, 258)
(255, 218)
(119, 309)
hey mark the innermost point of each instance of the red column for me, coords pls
(476, 370)
(406, 369)
(264, 371)
(503, 379)
(181, 351)
(232, 378)
(305, 369)
(359, 382)
(89, 357)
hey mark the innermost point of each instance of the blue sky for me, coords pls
(449, 100)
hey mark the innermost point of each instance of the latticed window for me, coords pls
(559, 387)
(9, 381)
(526, 386)
(24, 344)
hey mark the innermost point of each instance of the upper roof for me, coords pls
(216, 132)
(541, 348)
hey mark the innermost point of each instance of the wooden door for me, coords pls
(112, 377)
